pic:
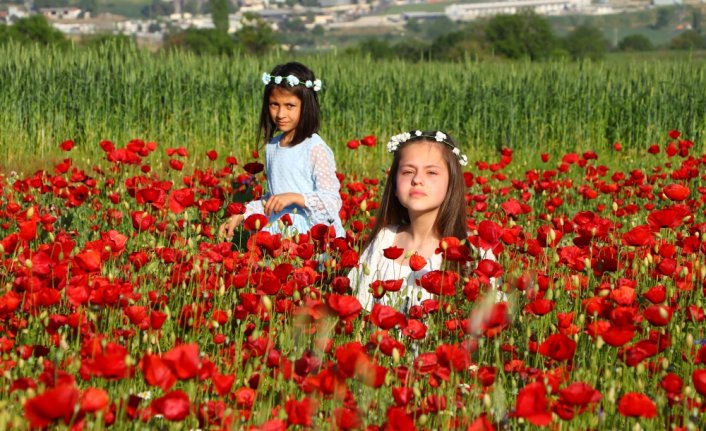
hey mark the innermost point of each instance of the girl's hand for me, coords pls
(277, 203)
(227, 229)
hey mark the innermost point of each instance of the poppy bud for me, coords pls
(395, 356)
(689, 341)
(267, 302)
(30, 213)
(615, 206)
(28, 263)
(486, 401)
(599, 342)
(364, 205)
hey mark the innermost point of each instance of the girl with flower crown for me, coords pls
(300, 167)
(423, 203)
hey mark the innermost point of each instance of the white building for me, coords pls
(471, 11)
(60, 12)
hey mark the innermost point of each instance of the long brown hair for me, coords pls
(451, 219)
(310, 117)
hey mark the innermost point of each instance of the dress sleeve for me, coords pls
(323, 204)
(254, 207)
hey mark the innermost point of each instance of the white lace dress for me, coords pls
(381, 268)
(309, 169)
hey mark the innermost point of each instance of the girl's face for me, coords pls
(285, 111)
(422, 177)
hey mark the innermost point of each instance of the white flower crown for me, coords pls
(438, 136)
(291, 81)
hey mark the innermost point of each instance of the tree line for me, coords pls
(521, 36)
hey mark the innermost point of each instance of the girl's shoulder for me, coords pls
(385, 237)
(316, 141)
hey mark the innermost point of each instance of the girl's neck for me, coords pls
(286, 139)
(421, 234)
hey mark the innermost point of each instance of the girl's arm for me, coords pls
(323, 204)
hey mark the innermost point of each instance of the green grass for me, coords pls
(179, 99)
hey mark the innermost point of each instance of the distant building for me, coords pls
(422, 16)
(666, 2)
(331, 3)
(471, 11)
(60, 12)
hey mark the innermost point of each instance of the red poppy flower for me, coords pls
(658, 315)
(676, 192)
(386, 317)
(67, 145)
(300, 412)
(399, 420)
(89, 261)
(52, 404)
(699, 379)
(28, 229)
(634, 404)
(212, 155)
(344, 306)
(393, 252)
(674, 134)
(181, 199)
(347, 419)
(223, 383)
(94, 400)
(255, 222)
(415, 330)
(618, 336)
(369, 141)
(141, 221)
(639, 236)
(183, 360)
(156, 372)
(353, 144)
(452, 249)
(671, 383)
(579, 394)
(489, 234)
(174, 406)
(439, 282)
(532, 404)
(417, 262)
(558, 347)
(253, 168)
(175, 164)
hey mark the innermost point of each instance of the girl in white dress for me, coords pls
(423, 202)
(300, 167)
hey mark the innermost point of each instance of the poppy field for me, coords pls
(121, 308)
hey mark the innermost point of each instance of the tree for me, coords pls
(158, 8)
(635, 43)
(255, 36)
(664, 14)
(293, 25)
(697, 18)
(36, 29)
(219, 15)
(586, 42)
(203, 42)
(525, 35)
(688, 40)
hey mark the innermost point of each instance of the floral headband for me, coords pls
(291, 81)
(439, 136)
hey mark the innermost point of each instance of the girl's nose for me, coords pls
(417, 179)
